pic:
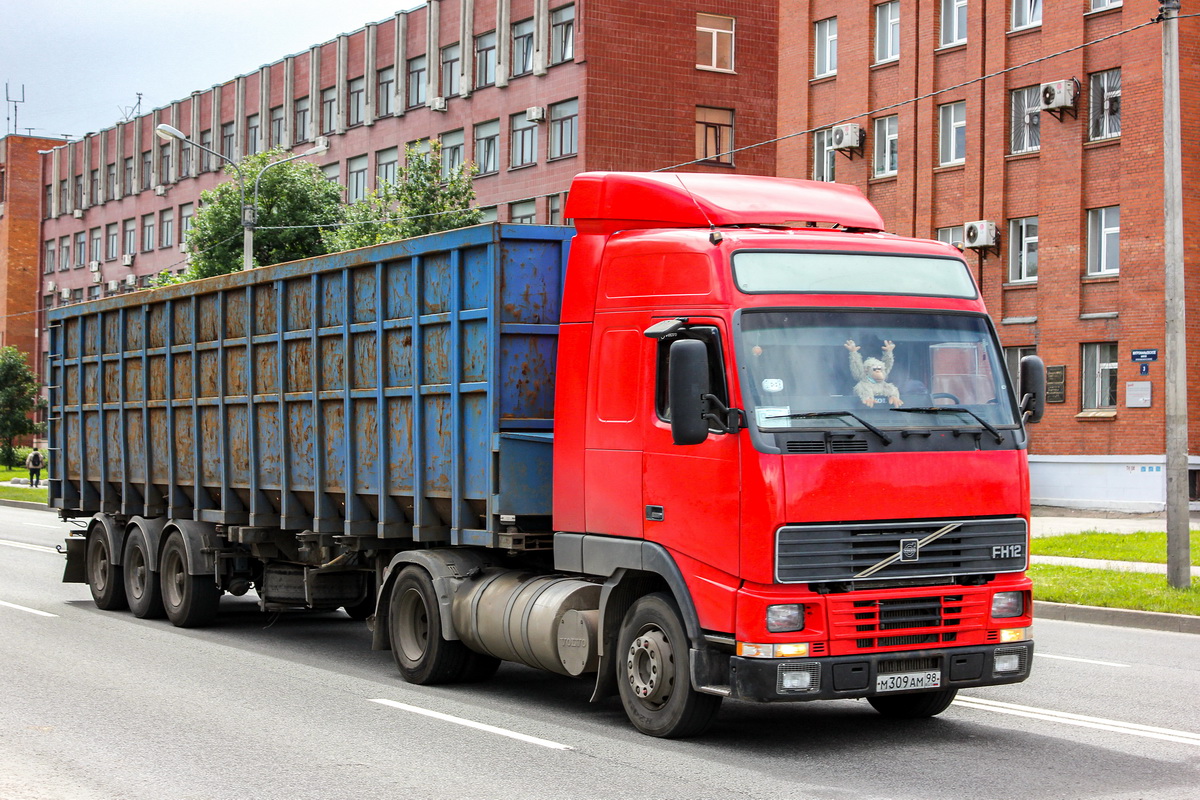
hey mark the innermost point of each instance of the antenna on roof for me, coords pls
(13, 101)
(132, 111)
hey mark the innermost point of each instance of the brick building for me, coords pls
(533, 91)
(1075, 192)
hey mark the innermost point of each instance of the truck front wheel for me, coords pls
(415, 627)
(104, 578)
(653, 676)
(913, 706)
(190, 600)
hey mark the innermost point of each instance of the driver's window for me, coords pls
(716, 369)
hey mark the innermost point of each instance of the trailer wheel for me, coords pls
(189, 600)
(141, 585)
(917, 705)
(415, 625)
(103, 576)
(653, 676)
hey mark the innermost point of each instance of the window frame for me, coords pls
(953, 12)
(356, 101)
(385, 90)
(485, 59)
(1098, 375)
(564, 128)
(952, 131)
(1025, 104)
(887, 20)
(887, 144)
(301, 108)
(1022, 244)
(521, 52)
(824, 156)
(1026, 14)
(416, 71)
(716, 41)
(1101, 94)
(562, 35)
(450, 58)
(522, 141)
(488, 160)
(454, 149)
(719, 133)
(1103, 259)
(825, 47)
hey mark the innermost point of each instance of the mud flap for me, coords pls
(76, 569)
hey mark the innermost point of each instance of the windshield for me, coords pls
(764, 271)
(838, 369)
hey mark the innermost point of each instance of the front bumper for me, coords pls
(835, 677)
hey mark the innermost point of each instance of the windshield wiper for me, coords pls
(813, 414)
(938, 409)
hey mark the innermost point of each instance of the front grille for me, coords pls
(892, 666)
(871, 623)
(894, 551)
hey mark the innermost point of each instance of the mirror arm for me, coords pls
(726, 419)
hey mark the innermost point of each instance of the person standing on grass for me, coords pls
(34, 463)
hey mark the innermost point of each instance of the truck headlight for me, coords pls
(781, 619)
(1008, 604)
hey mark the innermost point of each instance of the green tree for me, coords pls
(420, 201)
(295, 194)
(19, 392)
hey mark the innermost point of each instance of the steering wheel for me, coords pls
(945, 396)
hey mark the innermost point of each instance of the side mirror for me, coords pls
(1032, 383)
(687, 384)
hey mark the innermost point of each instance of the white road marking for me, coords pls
(41, 548)
(42, 525)
(472, 724)
(1082, 660)
(1098, 723)
(30, 610)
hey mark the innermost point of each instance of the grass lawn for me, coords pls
(27, 493)
(1141, 546)
(1108, 589)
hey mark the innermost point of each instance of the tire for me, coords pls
(917, 705)
(190, 601)
(104, 578)
(653, 676)
(142, 587)
(415, 629)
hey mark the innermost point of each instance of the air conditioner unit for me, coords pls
(160, 190)
(438, 103)
(127, 260)
(97, 277)
(114, 286)
(848, 136)
(979, 234)
(93, 266)
(65, 294)
(321, 141)
(535, 114)
(131, 280)
(1059, 94)
(51, 287)
(77, 213)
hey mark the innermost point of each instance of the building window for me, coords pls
(1026, 121)
(824, 156)
(64, 254)
(416, 81)
(112, 241)
(485, 59)
(522, 48)
(112, 181)
(130, 236)
(186, 211)
(1100, 5)
(952, 235)
(228, 137)
(148, 240)
(952, 132)
(1104, 113)
(300, 132)
(524, 141)
(97, 243)
(523, 213)
(166, 227)
(49, 263)
(562, 34)
(147, 170)
(1100, 375)
(825, 48)
(554, 210)
(80, 249)
(252, 134)
(954, 22)
(564, 119)
(78, 195)
(887, 31)
(332, 172)
(64, 196)
(887, 146)
(356, 101)
(356, 184)
(185, 160)
(1012, 360)
(714, 134)
(487, 146)
(328, 110)
(206, 140)
(714, 42)
(276, 127)
(1104, 240)
(386, 166)
(453, 147)
(387, 88)
(451, 58)
(93, 188)
(1023, 249)
(1026, 14)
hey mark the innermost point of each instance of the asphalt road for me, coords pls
(98, 704)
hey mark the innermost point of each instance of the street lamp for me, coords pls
(249, 211)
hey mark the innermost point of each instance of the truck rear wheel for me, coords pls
(142, 587)
(913, 706)
(190, 600)
(104, 578)
(653, 676)
(415, 627)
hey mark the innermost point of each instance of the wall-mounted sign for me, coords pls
(1056, 384)
(1150, 354)
(1137, 394)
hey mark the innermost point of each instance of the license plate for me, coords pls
(903, 681)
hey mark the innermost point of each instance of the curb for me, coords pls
(28, 505)
(1121, 617)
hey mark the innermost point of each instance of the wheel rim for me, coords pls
(413, 626)
(173, 578)
(650, 667)
(136, 570)
(100, 566)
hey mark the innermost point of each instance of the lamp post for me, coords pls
(249, 210)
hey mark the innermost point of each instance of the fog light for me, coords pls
(785, 618)
(1007, 663)
(795, 680)
(1008, 604)
(1014, 634)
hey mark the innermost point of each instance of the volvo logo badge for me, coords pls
(910, 550)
